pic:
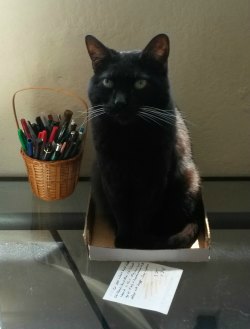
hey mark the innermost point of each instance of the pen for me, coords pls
(25, 128)
(47, 151)
(43, 136)
(73, 136)
(40, 124)
(79, 140)
(74, 150)
(69, 151)
(31, 130)
(50, 120)
(38, 148)
(81, 130)
(56, 120)
(29, 147)
(22, 139)
(56, 153)
(53, 134)
(73, 125)
(63, 129)
(35, 128)
(63, 148)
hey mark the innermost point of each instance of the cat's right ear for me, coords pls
(158, 49)
(97, 51)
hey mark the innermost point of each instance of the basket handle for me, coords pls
(56, 90)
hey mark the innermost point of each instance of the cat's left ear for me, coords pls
(97, 51)
(158, 48)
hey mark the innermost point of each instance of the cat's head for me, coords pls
(126, 82)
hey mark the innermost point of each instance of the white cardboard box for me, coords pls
(99, 238)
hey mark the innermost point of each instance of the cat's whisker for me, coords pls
(166, 110)
(91, 116)
(149, 118)
(143, 117)
(147, 108)
(92, 109)
(155, 108)
(80, 114)
(95, 107)
(159, 118)
(162, 115)
(158, 111)
(169, 117)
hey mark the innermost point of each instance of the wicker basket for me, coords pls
(52, 180)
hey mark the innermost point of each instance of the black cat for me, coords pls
(144, 175)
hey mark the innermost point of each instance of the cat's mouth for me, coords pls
(123, 117)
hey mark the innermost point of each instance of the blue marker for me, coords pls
(29, 147)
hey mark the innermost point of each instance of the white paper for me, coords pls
(144, 285)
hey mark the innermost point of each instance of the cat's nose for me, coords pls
(120, 100)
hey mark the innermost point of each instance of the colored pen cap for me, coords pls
(25, 128)
(53, 134)
(22, 139)
(73, 125)
(40, 123)
(43, 136)
(67, 115)
(29, 147)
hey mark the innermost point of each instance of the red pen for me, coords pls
(25, 128)
(53, 134)
(43, 136)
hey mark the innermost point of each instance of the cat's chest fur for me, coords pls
(133, 153)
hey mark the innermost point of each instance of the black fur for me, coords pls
(144, 175)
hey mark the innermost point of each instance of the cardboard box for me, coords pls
(99, 238)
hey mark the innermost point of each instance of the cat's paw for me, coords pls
(185, 238)
(179, 242)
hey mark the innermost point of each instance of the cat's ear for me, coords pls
(158, 48)
(97, 51)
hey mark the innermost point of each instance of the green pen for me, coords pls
(22, 139)
(56, 153)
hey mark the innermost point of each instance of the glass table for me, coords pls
(47, 280)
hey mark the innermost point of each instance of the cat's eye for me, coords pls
(108, 83)
(140, 84)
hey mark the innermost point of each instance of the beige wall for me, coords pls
(42, 44)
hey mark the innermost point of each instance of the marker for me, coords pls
(47, 151)
(56, 153)
(23, 139)
(63, 129)
(25, 128)
(29, 147)
(40, 124)
(73, 136)
(43, 136)
(31, 130)
(53, 134)
(73, 125)
(69, 150)
(35, 128)
(38, 148)
(63, 148)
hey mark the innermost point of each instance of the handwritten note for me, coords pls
(144, 285)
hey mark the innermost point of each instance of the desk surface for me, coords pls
(47, 281)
